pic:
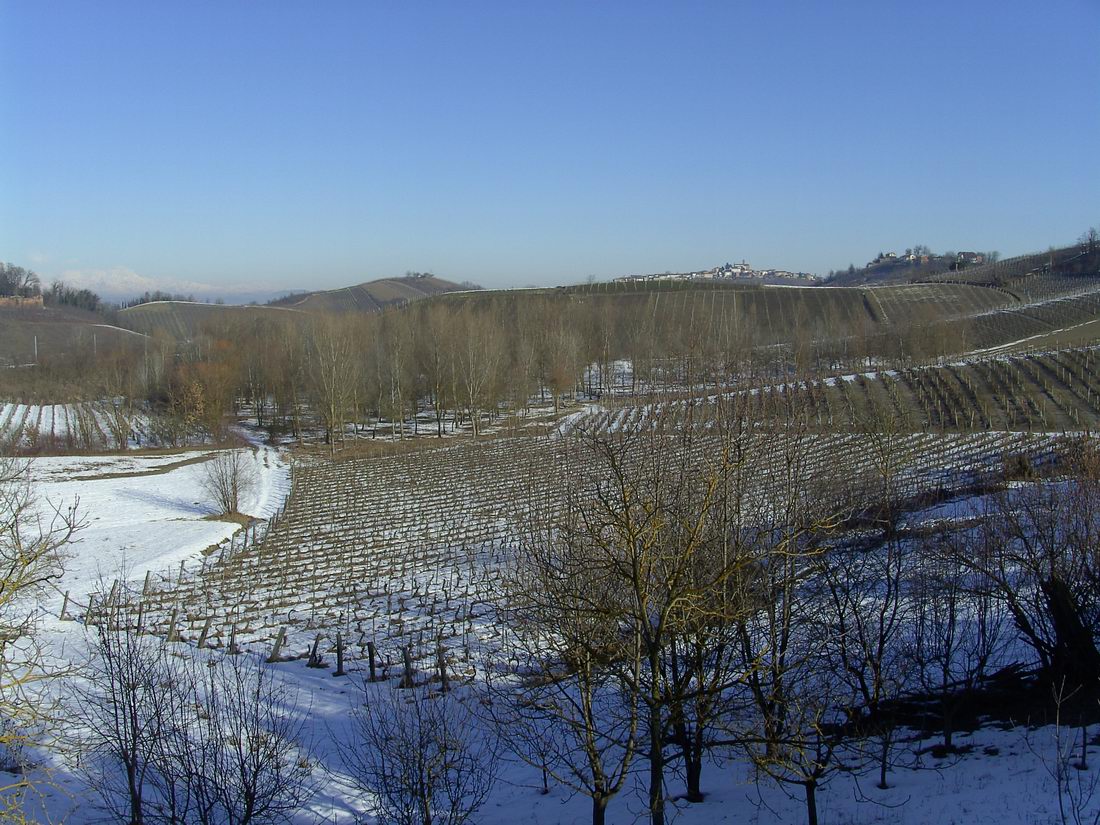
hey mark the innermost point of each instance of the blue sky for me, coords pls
(309, 145)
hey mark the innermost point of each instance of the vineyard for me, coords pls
(29, 337)
(397, 559)
(72, 428)
(764, 315)
(1029, 276)
(402, 552)
(927, 302)
(1042, 392)
(1010, 325)
(402, 555)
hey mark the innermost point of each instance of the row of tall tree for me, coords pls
(463, 361)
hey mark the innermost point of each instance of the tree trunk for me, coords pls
(693, 767)
(1074, 658)
(136, 812)
(656, 768)
(599, 809)
(884, 758)
(948, 730)
(811, 802)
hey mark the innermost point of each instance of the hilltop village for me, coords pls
(728, 271)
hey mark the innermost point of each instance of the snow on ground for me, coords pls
(148, 512)
(143, 512)
(1003, 776)
(139, 513)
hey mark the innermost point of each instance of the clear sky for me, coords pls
(317, 144)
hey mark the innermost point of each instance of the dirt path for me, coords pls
(156, 471)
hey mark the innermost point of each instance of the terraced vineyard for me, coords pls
(928, 302)
(1002, 327)
(1051, 392)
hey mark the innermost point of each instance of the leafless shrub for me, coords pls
(190, 741)
(227, 478)
(31, 543)
(421, 756)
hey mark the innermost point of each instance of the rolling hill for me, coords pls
(183, 319)
(54, 334)
(371, 296)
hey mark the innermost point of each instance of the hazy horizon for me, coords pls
(219, 149)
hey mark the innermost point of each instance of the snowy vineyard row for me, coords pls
(404, 554)
(87, 427)
(1042, 392)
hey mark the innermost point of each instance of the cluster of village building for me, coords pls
(913, 257)
(728, 271)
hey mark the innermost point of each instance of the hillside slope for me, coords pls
(371, 296)
(57, 334)
(766, 315)
(183, 319)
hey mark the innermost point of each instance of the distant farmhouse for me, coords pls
(960, 260)
(729, 272)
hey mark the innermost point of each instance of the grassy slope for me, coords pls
(59, 334)
(371, 296)
(182, 319)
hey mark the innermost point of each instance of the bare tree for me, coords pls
(958, 629)
(1037, 557)
(228, 478)
(174, 740)
(16, 280)
(123, 707)
(865, 612)
(331, 371)
(639, 578)
(794, 730)
(241, 758)
(31, 542)
(420, 757)
(558, 704)
(479, 354)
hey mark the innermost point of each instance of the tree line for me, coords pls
(464, 362)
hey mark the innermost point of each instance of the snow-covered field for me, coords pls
(149, 513)
(138, 514)
(143, 513)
